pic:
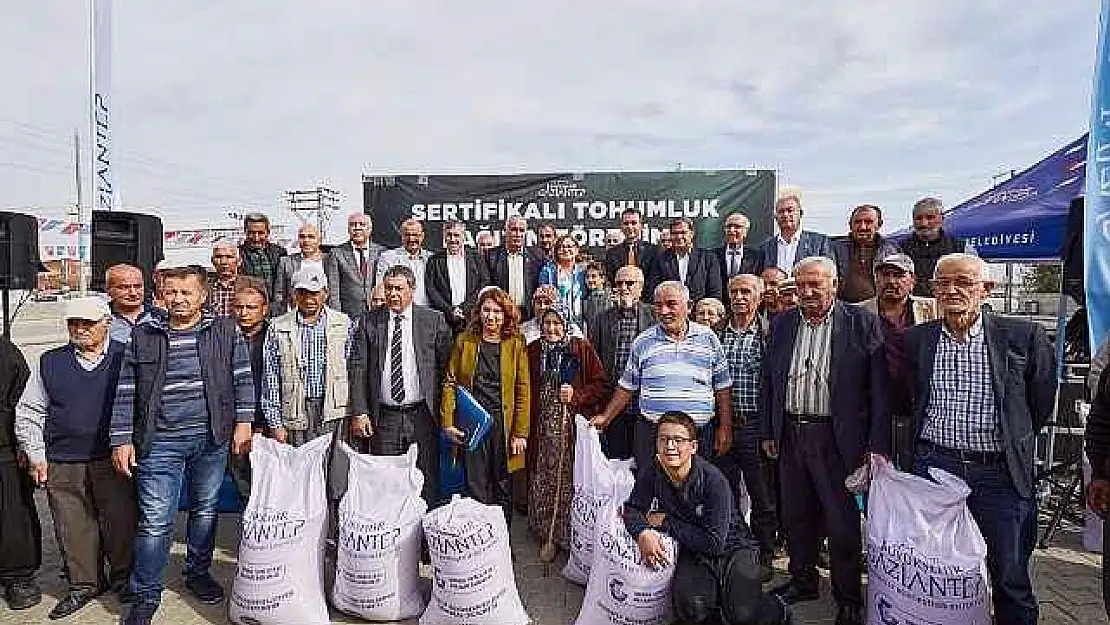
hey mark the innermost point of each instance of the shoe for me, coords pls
(141, 613)
(795, 592)
(787, 614)
(205, 589)
(74, 601)
(23, 593)
(849, 615)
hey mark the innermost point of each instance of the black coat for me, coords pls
(14, 374)
(618, 257)
(703, 276)
(857, 381)
(1023, 374)
(437, 282)
(602, 333)
(498, 264)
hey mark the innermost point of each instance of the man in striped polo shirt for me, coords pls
(185, 385)
(676, 365)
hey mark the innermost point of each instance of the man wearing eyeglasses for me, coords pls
(611, 333)
(717, 577)
(824, 408)
(984, 386)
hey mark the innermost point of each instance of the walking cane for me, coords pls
(548, 551)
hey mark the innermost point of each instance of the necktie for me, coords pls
(733, 265)
(632, 255)
(396, 377)
(362, 261)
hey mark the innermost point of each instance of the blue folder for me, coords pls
(474, 420)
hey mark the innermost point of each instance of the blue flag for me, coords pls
(1096, 219)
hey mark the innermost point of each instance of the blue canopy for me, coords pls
(1026, 217)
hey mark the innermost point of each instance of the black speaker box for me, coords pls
(19, 252)
(132, 238)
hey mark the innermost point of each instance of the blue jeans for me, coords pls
(1008, 522)
(197, 464)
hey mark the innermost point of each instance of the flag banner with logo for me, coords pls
(1096, 226)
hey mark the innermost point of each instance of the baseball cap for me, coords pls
(310, 278)
(87, 308)
(898, 261)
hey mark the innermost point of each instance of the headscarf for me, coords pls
(552, 354)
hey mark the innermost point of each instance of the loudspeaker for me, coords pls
(19, 252)
(1073, 253)
(132, 238)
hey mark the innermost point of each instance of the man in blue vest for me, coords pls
(185, 384)
(62, 425)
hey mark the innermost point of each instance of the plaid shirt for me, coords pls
(221, 297)
(256, 262)
(312, 346)
(744, 351)
(962, 413)
(626, 333)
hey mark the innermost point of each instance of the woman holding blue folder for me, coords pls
(490, 362)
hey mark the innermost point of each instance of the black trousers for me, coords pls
(487, 472)
(813, 494)
(744, 463)
(398, 428)
(20, 532)
(725, 588)
(617, 438)
(902, 439)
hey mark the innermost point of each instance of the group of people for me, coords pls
(773, 370)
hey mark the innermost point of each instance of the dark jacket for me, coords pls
(1096, 440)
(437, 281)
(699, 512)
(842, 256)
(431, 342)
(645, 260)
(925, 255)
(603, 336)
(749, 263)
(274, 254)
(809, 244)
(498, 265)
(857, 381)
(1023, 373)
(703, 276)
(225, 370)
(14, 374)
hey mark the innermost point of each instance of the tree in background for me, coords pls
(1042, 279)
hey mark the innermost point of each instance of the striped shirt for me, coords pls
(123, 409)
(962, 412)
(184, 411)
(744, 352)
(807, 387)
(675, 374)
(312, 350)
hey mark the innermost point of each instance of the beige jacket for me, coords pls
(922, 308)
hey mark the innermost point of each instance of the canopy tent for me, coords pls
(1026, 217)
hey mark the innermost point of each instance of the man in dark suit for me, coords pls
(454, 277)
(735, 258)
(984, 386)
(611, 333)
(634, 251)
(396, 376)
(695, 268)
(825, 409)
(514, 267)
(350, 267)
(791, 244)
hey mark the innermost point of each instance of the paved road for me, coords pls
(1066, 578)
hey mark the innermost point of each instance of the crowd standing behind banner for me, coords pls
(785, 389)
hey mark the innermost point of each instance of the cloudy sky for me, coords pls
(227, 104)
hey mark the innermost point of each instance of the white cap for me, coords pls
(88, 308)
(310, 278)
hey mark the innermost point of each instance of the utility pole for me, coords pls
(322, 201)
(78, 216)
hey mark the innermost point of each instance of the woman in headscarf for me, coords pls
(489, 360)
(568, 278)
(544, 298)
(567, 379)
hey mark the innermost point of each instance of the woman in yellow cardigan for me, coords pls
(491, 361)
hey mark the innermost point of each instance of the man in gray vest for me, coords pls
(305, 370)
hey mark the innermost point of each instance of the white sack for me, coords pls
(623, 590)
(472, 568)
(598, 483)
(378, 562)
(279, 578)
(926, 560)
